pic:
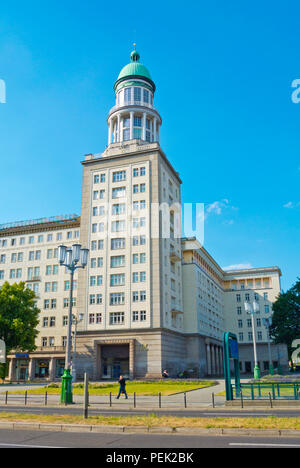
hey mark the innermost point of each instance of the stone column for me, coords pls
(221, 361)
(31, 369)
(213, 359)
(154, 129)
(144, 127)
(52, 369)
(12, 369)
(131, 125)
(110, 124)
(216, 360)
(120, 136)
(131, 358)
(208, 359)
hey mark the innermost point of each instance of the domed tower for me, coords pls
(133, 116)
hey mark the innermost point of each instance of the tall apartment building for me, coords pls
(136, 271)
(148, 299)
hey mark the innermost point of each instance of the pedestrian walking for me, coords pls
(122, 389)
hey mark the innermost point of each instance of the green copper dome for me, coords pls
(134, 70)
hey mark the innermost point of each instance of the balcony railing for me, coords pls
(132, 103)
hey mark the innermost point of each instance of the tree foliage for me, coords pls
(285, 326)
(18, 317)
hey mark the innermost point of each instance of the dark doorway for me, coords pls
(114, 361)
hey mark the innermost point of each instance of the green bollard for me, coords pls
(66, 395)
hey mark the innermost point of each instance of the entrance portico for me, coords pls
(113, 358)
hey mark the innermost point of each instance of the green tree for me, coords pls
(285, 326)
(18, 317)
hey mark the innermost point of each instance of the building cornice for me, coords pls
(127, 150)
(41, 227)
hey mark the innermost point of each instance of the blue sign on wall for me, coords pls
(233, 349)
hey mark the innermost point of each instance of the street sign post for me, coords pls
(231, 352)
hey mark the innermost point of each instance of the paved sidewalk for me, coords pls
(193, 399)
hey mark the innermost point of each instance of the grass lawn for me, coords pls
(154, 420)
(165, 387)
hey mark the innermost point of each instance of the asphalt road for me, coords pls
(37, 439)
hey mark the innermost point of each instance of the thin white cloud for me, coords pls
(215, 207)
(291, 205)
(239, 266)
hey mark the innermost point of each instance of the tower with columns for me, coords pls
(134, 117)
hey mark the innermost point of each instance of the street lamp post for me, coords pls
(267, 323)
(251, 311)
(75, 321)
(73, 259)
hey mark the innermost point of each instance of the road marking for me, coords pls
(247, 444)
(237, 414)
(28, 446)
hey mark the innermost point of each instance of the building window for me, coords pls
(52, 321)
(117, 298)
(259, 336)
(118, 209)
(116, 318)
(127, 95)
(99, 299)
(135, 277)
(118, 261)
(117, 280)
(258, 322)
(91, 319)
(135, 316)
(92, 299)
(118, 192)
(44, 342)
(118, 243)
(142, 276)
(118, 226)
(126, 134)
(135, 296)
(143, 315)
(143, 296)
(119, 176)
(137, 94)
(45, 322)
(98, 318)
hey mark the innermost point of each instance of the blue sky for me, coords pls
(223, 72)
